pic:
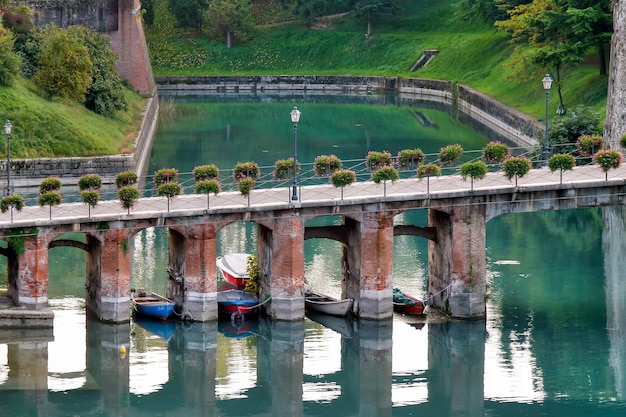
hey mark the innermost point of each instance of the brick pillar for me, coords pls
(457, 267)
(374, 378)
(112, 299)
(376, 260)
(192, 257)
(129, 43)
(33, 272)
(281, 261)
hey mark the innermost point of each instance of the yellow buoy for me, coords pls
(122, 351)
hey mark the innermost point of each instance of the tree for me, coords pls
(476, 170)
(9, 61)
(230, 19)
(148, 8)
(371, 10)
(105, 95)
(562, 162)
(188, 13)
(309, 10)
(64, 66)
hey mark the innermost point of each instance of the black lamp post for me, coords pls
(295, 118)
(8, 128)
(547, 84)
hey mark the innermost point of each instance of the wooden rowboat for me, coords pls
(152, 305)
(327, 305)
(236, 304)
(406, 304)
(233, 267)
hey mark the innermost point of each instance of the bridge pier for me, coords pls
(280, 249)
(457, 267)
(32, 279)
(367, 262)
(192, 261)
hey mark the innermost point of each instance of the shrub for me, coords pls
(49, 184)
(622, 141)
(565, 130)
(495, 152)
(342, 177)
(50, 198)
(126, 179)
(376, 160)
(90, 182)
(587, 145)
(169, 189)
(326, 165)
(10, 60)
(562, 162)
(428, 170)
(608, 159)
(475, 170)
(90, 197)
(205, 172)
(246, 170)
(208, 186)
(449, 154)
(409, 158)
(283, 168)
(165, 176)
(128, 196)
(13, 200)
(386, 173)
(516, 166)
(246, 185)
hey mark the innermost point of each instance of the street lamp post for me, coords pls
(8, 128)
(295, 118)
(547, 84)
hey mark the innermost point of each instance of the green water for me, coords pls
(554, 342)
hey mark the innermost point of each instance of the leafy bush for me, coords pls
(409, 158)
(449, 154)
(13, 200)
(169, 189)
(428, 170)
(562, 162)
(326, 165)
(376, 160)
(208, 186)
(495, 152)
(283, 168)
(342, 177)
(516, 167)
(608, 159)
(90, 182)
(385, 173)
(126, 179)
(565, 130)
(205, 172)
(587, 145)
(475, 170)
(246, 170)
(50, 198)
(165, 176)
(10, 62)
(49, 184)
(128, 196)
(246, 185)
(90, 197)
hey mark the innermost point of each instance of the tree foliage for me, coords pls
(188, 13)
(9, 61)
(565, 130)
(230, 19)
(370, 10)
(309, 10)
(64, 66)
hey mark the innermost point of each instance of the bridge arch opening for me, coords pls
(410, 252)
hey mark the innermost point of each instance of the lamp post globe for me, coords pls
(8, 129)
(295, 118)
(547, 84)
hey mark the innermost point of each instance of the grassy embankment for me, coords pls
(471, 54)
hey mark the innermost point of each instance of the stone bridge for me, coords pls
(457, 214)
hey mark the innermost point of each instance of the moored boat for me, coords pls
(152, 305)
(326, 304)
(233, 267)
(237, 304)
(406, 304)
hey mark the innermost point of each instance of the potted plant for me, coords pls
(326, 165)
(90, 182)
(384, 174)
(164, 176)
(587, 145)
(608, 159)
(50, 198)
(428, 170)
(246, 170)
(49, 184)
(495, 152)
(207, 187)
(205, 172)
(476, 170)
(128, 196)
(125, 179)
(283, 168)
(449, 154)
(410, 158)
(245, 186)
(562, 162)
(342, 177)
(376, 160)
(516, 166)
(10, 202)
(169, 190)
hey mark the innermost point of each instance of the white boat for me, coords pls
(327, 305)
(234, 268)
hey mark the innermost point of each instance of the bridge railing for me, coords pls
(306, 177)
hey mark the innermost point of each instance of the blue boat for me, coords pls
(152, 305)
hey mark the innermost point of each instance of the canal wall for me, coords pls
(490, 117)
